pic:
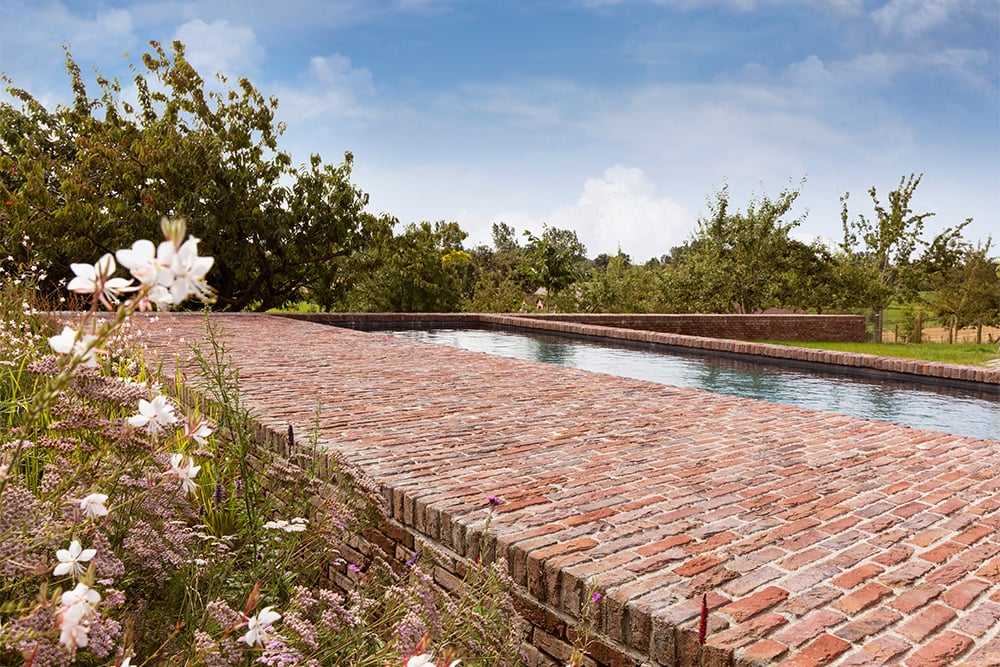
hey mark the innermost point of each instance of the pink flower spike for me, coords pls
(703, 620)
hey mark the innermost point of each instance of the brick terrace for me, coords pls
(819, 538)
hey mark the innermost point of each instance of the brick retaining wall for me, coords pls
(848, 328)
(978, 378)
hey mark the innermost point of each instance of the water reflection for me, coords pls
(942, 409)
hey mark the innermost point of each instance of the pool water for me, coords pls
(917, 405)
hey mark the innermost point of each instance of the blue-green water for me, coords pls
(921, 406)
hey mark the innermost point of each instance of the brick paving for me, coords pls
(819, 539)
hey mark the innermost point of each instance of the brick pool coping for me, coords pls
(818, 538)
(977, 378)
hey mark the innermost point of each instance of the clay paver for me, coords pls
(829, 518)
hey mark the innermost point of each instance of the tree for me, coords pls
(424, 269)
(881, 249)
(968, 293)
(93, 176)
(735, 262)
(553, 259)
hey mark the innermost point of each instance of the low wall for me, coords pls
(848, 328)
(619, 328)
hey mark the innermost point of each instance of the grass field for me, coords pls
(968, 354)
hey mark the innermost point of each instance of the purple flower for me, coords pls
(413, 559)
(596, 597)
(493, 500)
(353, 568)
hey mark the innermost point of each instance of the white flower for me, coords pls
(143, 261)
(93, 505)
(70, 559)
(82, 594)
(73, 626)
(74, 614)
(258, 626)
(184, 468)
(188, 271)
(153, 414)
(296, 525)
(428, 660)
(96, 278)
(71, 342)
(197, 431)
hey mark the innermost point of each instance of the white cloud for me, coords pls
(220, 47)
(914, 17)
(620, 209)
(331, 86)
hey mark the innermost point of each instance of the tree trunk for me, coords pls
(877, 310)
(918, 328)
(979, 334)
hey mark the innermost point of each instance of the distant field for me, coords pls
(968, 354)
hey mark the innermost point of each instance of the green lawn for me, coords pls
(961, 353)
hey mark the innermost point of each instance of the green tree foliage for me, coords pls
(424, 269)
(739, 261)
(83, 179)
(618, 286)
(879, 252)
(553, 260)
(967, 292)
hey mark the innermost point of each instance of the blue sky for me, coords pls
(615, 118)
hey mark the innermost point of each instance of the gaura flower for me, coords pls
(197, 431)
(153, 414)
(427, 659)
(96, 279)
(142, 261)
(71, 342)
(183, 467)
(70, 559)
(93, 505)
(73, 626)
(188, 270)
(258, 626)
(82, 594)
(74, 614)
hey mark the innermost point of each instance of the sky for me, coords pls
(619, 119)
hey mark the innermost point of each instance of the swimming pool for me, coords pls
(935, 408)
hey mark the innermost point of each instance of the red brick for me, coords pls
(698, 564)
(990, 570)
(858, 575)
(752, 630)
(766, 650)
(862, 599)
(663, 545)
(809, 627)
(980, 620)
(972, 535)
(744, 608)
(960, 596)
(795, 561)
(930, 620)
(943, 552)
(914, 598)
(824, 650)
(940, 651)
(867, 625)
(894, 556)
